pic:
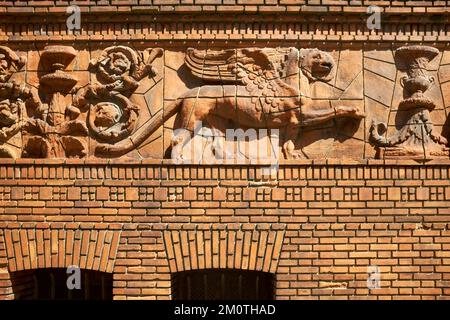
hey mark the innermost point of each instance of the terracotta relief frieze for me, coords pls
(257, 88)
(142, 102)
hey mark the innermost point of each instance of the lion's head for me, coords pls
(317, 65)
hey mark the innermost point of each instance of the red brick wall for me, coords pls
(322, 224)
(334, 219)
(199, 6)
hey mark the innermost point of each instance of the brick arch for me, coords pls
(249, 249)
(60, 248)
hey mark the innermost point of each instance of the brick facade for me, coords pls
(319, 225)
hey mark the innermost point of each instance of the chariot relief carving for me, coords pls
(148, 102)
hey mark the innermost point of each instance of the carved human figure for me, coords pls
(107, 115)
(14, 99)
(112, 116)
(259, 88)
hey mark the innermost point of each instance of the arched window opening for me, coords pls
(51, 284)
(222, 284)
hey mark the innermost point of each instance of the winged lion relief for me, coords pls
(252, 88)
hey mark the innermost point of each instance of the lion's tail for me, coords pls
(138, 138)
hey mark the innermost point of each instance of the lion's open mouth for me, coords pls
(326, 65)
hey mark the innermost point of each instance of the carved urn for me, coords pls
(417, 139)
(58, 82)
(56, 59)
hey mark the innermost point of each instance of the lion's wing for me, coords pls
(211, 65)
(255, 68)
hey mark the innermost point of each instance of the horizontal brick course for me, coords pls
(223, 6)
(213, 23)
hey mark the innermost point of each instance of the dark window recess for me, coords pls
(220, 284)
(51, 284)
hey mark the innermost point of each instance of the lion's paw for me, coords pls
(351, 112)
(297, 155)
(290, 153)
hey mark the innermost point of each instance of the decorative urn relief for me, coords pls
(417, 139)
(56, 133)
(62, 127)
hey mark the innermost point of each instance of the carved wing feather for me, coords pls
(261, 77)
(255, 68)
(211, 65)
(234, 64)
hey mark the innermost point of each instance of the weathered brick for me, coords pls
(132, 194)
(161, 194)
(45, 193)
(102, 193)
(73, 193)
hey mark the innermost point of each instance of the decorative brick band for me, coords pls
(224, 6)
(225, 29)
(245, 249)
(59, 248)
(161, 172)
